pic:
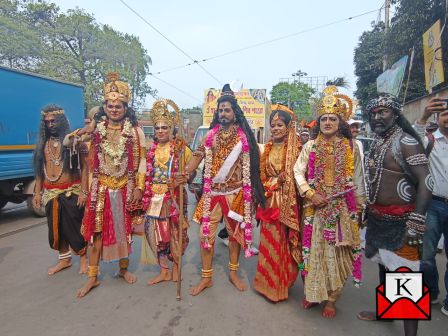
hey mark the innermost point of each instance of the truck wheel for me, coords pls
(38, 212)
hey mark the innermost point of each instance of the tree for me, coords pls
(410, 21)
(296, 95)
(339, 81)
(72, 46)
(368, 63)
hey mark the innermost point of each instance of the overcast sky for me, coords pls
(207, 28)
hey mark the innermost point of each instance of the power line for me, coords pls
(176, 88)
(171, 42)
(266, 42)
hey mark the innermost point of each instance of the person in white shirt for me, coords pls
(355, 127)
(437, 215)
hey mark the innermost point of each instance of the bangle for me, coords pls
(85, 192)
(140, 181)
(309, 194)
(38, 193)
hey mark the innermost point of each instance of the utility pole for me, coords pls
(386, 30)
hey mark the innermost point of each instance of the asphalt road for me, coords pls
(32, 303)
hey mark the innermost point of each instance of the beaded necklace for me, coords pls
(375, 160)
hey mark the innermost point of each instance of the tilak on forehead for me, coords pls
(384, 100)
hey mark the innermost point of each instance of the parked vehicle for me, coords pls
(23, 96)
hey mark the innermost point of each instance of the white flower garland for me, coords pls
(115, 153)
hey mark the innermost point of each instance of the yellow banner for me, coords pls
(432, 53)
(251, 101)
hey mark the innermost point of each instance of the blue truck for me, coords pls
(23, 95)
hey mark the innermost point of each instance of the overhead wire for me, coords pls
(266, 42)
(171, 42)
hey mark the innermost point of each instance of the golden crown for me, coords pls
(114, 89)
(334, 102)
(160, 112)
(280, 107)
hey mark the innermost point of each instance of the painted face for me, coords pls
(354, 128)
(278, 129)
(226, 115)
(304, 137)
(329, 124)
(51, 125)
(115, 110)
(381, 119)
(162, 131)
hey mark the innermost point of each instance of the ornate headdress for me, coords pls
(115, 89)
(384, 100)
(56, 112)
(227, 91)
(334, 102)
(279, 107)
(160, 112)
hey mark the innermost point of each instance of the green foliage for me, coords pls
(71, 46)
(411, 19)
(339, 81)
(368, 63)
(296, 95)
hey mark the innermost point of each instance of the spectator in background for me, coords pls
(436, 144)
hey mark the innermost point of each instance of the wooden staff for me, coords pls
(181, 140)
(181, 223)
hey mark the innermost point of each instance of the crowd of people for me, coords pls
(311, 194)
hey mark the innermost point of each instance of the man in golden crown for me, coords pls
(329, 176)
(232, 187)
(118, 181)
(162, 192)
(62, 187)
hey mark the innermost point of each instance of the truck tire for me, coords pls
(38, 212)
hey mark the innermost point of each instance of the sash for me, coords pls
(221, 175)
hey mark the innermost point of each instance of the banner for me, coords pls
(432, 54)
(390, 81)
(251, 101)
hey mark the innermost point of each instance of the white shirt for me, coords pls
(438, 160)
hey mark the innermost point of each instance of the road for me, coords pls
(32, 303)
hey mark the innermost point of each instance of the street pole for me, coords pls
(386, 30)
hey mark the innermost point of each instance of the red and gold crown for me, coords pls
(334, 102)
(160, 112)
(280, 107)
(114, 89)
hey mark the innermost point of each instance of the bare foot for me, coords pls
(83, 264)
(203, 284)
(90, 284)
(329, 310)
(62, 264)
(164, 275)
(308, 305)
(237, 282)
(129, 277)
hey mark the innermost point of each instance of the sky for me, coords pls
(203, 29)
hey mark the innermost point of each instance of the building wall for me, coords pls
(413, 109)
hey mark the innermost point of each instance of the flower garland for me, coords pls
(316, 165)
(246, 225)
(99, 138)
(264, 167)
(150, 160)
(115, 153)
